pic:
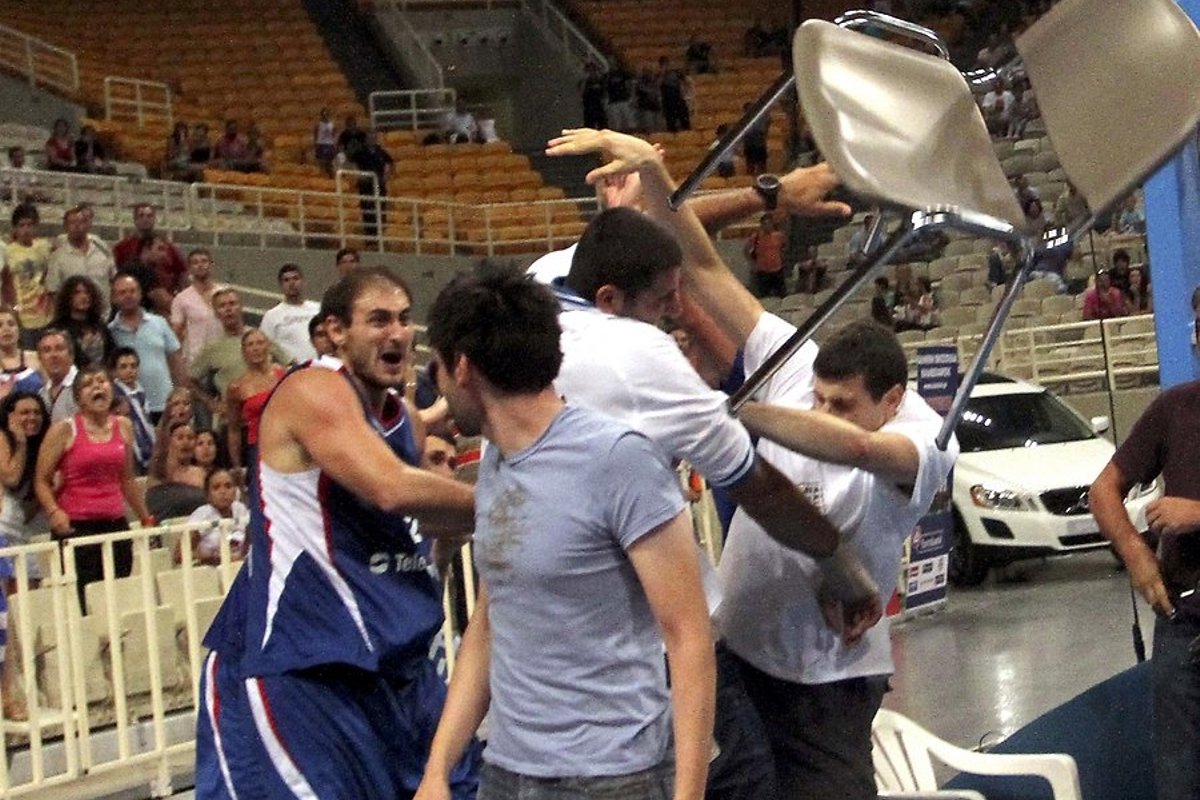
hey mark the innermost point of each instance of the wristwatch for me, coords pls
(767, 187)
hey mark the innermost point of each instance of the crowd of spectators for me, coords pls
(659, 98)
(96, 388)
(190, 151)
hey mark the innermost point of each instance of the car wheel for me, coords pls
(968, 565)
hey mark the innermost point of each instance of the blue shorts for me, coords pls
(335, 732)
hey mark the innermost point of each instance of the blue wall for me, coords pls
(1173, 234)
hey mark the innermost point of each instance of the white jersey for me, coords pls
(636, 373)
(770, 616)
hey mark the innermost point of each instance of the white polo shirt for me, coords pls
(287, 326)
(634, 372)
(553, 266)
(770, 616)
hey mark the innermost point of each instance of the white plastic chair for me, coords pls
(902, 752)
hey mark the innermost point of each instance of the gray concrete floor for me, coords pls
(1030, 638)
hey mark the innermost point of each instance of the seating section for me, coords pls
(640, 33)
(256, 61)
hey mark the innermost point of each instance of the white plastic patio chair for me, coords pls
(903, 752)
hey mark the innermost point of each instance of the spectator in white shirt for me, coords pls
(287, 323)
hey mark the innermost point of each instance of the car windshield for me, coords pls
(1018, 420)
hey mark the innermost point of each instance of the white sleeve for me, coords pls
(268, 323)
(793, 383)
(921, 424)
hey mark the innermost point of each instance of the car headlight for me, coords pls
(998, 499)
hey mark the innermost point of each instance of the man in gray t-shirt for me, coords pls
(588, 568)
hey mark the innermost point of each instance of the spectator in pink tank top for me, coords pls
(92, 453)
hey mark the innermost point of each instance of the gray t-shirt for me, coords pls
(578, 680)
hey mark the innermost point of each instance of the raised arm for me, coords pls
(801, 191)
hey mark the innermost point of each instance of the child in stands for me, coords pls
(223, 504)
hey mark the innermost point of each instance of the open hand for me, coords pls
(626, 153)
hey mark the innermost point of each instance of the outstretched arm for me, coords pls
(801, 191)
(826, 438)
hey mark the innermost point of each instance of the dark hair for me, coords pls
(504, 323)
(47, 332)
(345, 251)
(624, 248)
(882, 282)
(8, 405)
(222, 459)
(866, 348)
(313, 324)
(338, 300)
(16, 148)
(1121, 254)
(120, 352)
(84, 372)
(198, 251)
(62, 302)
(289, 267)
(25, 211)
(208, 479)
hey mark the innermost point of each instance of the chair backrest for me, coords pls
(1091, 59)
(897, 125)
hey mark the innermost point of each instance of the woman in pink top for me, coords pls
(92, 454)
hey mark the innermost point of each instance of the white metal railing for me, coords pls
(41, 62)
(391, 17)
(410, 109)
(133, 99)
(287, 217)
(1071, 357)
(110, 688)
(563, 34)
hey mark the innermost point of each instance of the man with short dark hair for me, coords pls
(318, 338)
(579, 574)
(192, 315)
(170, 270)
(1164, 442)
(23, 272)
(161, 363)
(346, 261)
(320, 683)
(286, 324)
(81, 253)
(56, 354)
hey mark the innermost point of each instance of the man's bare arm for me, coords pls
(1106, 499)
(827, 438)
(801, 191)
(309, 412)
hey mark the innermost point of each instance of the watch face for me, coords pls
(768, 183)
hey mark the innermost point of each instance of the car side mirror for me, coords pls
(1101, 424)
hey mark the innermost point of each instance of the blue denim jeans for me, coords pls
(656, 783)
(1176, 679)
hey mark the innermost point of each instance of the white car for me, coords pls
(1021, 481)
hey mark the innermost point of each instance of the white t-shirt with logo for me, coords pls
(287, 326)
(770, 615)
